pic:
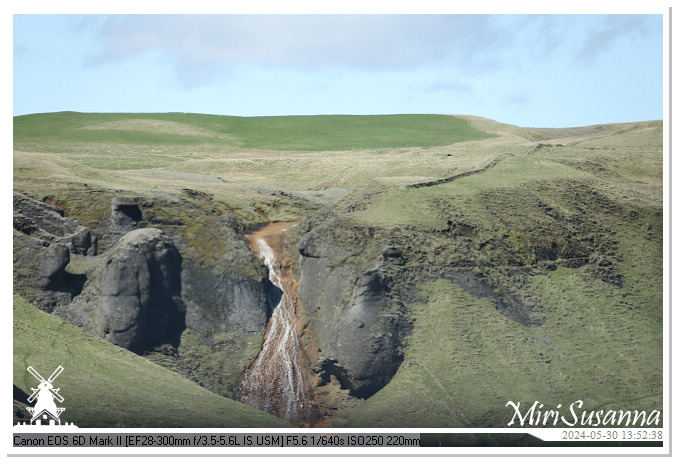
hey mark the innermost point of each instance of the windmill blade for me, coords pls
(55, 374)
(35, 393)
(57, 395)
(35, 373)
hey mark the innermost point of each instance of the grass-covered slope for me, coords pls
(106, 386)
(313, 133)
(574, 235)
(566, 222)
(464, 360)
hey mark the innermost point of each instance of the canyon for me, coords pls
(385, 287)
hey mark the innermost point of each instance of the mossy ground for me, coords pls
(220, 364)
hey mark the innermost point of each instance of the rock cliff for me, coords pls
(132, 297)
(44, 241)
(170, 285)
(354, 323)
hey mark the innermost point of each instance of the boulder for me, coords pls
(362, 347)
(350, 331)
(133, 294)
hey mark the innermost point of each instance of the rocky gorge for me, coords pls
(142, 293)
(426, 288)
(146, 294)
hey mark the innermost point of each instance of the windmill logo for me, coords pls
(45, 411)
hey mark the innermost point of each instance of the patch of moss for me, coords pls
(203, 237)
(220, 365)
(88, 207)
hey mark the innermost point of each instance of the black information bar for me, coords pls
(169, 440)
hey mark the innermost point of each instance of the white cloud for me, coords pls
(203, 46)
(209, 44)
(615, 27)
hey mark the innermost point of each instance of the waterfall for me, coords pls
(279, 381)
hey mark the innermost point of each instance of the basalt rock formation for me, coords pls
(44, 241)
(133, 294)
(153, 289)
(361, 349)
(125, 213)
(47, 224)
(354, 326)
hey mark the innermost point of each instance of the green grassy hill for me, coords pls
(106, 386)
(568, 221)
(597, 339)
(309, 133)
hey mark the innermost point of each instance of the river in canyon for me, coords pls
(280, 381)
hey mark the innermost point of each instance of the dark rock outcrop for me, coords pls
(218, 300)
(43, 243)
(129, 296)
(350, 329)
(392, 254)
(133, 294)
(150, 284)
(47, 224)
(124, 213)
(362, 346)
(224, 285)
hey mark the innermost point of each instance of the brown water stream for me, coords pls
(279, 381)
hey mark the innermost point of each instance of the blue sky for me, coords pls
(550, 70)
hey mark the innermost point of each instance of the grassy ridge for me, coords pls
(599, 343)
(309, 133)
(107, 386)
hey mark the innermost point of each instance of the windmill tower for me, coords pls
(45, 407)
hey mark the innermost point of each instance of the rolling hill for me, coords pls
(501, 263)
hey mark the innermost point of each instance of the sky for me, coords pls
(535, 70)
